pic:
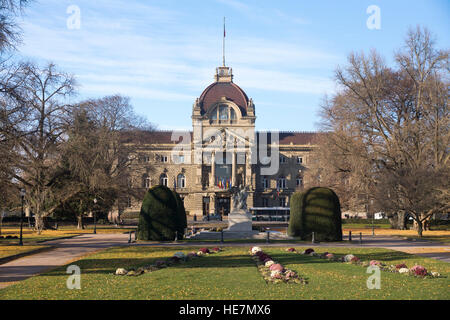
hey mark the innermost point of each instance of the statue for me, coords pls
(240, 199)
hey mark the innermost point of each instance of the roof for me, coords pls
(152, 137)
(165, 137)
(217, 90)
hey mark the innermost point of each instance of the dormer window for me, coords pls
(223, 113)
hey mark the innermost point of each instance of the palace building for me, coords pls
(222, 150)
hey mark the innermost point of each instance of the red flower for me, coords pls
(401, 265)
(204, 250)
(308, 251)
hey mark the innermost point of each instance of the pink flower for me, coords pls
(419, 270)
(329, 256)
(375, 263)
(276, 267)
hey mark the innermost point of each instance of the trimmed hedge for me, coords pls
(316, 210)
(162, 215)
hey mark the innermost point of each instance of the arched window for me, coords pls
(281, 183)
(163, 180)
(223, 113)
(232, 114)
(181, 181)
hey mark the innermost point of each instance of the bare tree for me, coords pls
(9, 30)
(46, 92)
(95, 154)
(390, 127)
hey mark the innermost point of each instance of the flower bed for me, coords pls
(178, 257)
(272, 271)
(417, 270)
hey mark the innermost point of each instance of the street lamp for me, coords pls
(373, 217)
(22, 195)
(95, 220)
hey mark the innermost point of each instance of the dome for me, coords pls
(223, 88)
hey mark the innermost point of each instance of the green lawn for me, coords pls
(31, 237)
(232, 274)
(7, 251)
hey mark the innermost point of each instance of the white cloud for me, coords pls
(116, 56)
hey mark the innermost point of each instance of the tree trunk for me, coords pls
(38, 223)
(418, 226)
(398, 220)
(80, 221)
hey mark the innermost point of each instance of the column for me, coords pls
(233, 170)
(212, 180)
(248, 170)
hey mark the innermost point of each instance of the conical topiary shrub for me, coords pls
(162, 215)
(316, 210)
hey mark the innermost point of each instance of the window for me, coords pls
(178, 159)
(265, 183)
(145, 158)
(299, 160)
(146, 182)
(164, 158)
(299, 181)
(223, 112)
(283, 202)
(281, 183)
(283, 159)
(181, 181)
(232, 114)
(265, 202)
(129, 202)
(163, 180)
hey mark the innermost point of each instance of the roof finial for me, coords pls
(223, 47)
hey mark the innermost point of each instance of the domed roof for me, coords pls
(223, 87)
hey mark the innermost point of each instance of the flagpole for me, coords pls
(223, 46)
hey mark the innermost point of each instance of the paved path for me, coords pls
(68, 250)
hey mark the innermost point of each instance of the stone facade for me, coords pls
(222, 150)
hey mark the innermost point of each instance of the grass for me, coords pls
(232, 274)
(7, 251)
(431, 235)
(31, 237)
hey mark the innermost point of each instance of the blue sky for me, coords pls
(162, 54)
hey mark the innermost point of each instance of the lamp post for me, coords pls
(95, 220)
(373, 218)
(22, 195)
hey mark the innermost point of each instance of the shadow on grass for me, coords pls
(109, 266)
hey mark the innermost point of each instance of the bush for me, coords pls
(162, 215)
(316, 210)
